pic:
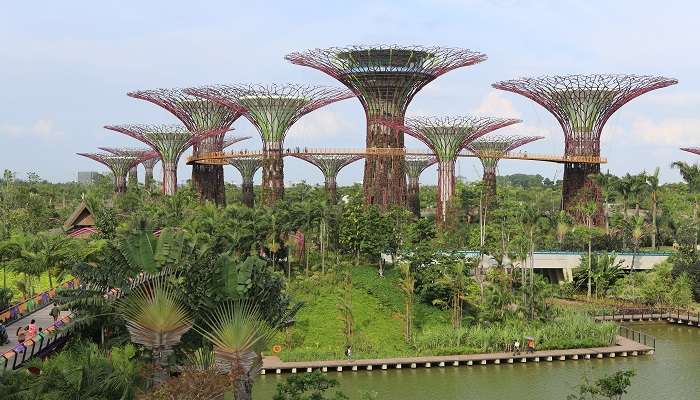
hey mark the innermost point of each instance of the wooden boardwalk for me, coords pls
(674, 318)
(624, 347)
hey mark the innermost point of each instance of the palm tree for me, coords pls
(9, 252)
(156, 318)
(653, 182)
(238, 334)
(455, 278)
(529, 218)
(639, 189)
(637, 228)
(624, 188)
(562, 226)
(691, 176)
(53, 254)
(588, 208)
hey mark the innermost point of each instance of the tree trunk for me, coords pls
(413, 196)
(446, 188)
(119, 185)
(247, 193)
(148, 178)
(169, 178)
(134, 176)
(331, 189)
(576, 178)
(208, 180)
(489, 179)
(384, 182)
(589, 267)
(273, 173)
(653, 221)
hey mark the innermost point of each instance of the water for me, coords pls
(673, 373)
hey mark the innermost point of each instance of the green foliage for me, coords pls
(656, 287)
(309, 386)
(687, 261)
(613, 387)
(604, 272)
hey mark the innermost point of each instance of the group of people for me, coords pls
(530, 344)
(30, 331)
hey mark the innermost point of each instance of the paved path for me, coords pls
(623, 348)
(42, 318)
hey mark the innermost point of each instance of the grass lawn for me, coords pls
(377, 305)
(39, 285)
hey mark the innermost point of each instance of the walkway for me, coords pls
(42, 318)
(624, 347)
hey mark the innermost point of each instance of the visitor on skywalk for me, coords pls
(21, 334)
(32, 329)
(55, 312)
(3, 335)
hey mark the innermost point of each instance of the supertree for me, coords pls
(141, 154)
(583, 104)
(415, 165)
(446, 137)
(247, 166)
(170, 141)
(231, 140)
(118, 164)
(273, 109)
(330, 165)
(385, 79)
(200, 116)
(490, 150)
(148, 165)
(694, 150)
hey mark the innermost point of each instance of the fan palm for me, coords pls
(238, 334)
(653, 182)
(155, 316)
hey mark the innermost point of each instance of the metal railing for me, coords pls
(637, 336)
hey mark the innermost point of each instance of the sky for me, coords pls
(65, 69)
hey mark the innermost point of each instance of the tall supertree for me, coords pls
(330, 165)
(490, 150)
(415, 165)
(141, 154)
(273, 109)
(118, 164)
(170, 141)
(200, 116)
(148, 165)
(385, 79)
(446, 137)
(583, 104)
(247, 166)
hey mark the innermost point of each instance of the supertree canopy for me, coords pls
(170, 141)
(201, 116)
(490, 150)
(247, 166)
(231, 140)
(273, 109)
(330, 165)
(446, 137)
(118, 164)
(694, 150)
(415, 165)
(148, 165)
(385, 79)
(583, 104)
(141, 154)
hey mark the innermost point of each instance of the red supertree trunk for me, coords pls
(413, 196)
(273, 173)
(489, 180)
(119, 185)
(208, 180)
(169, 178)
(446, 189)
(384, 182)
(134, 176)
(577, 177)
(148, 177)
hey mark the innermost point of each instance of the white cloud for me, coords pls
(669, 132)
(495, 104)
(42, 128)
(319, 124)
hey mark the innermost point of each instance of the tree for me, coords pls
(638, 228)
(239, 334)
(611, 387)
(588, 208)
(653, 182)
(408, 286)
(604, 271)
(691, 176)
(308, 386)
(455, 279)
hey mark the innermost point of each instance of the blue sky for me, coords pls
(65, 68)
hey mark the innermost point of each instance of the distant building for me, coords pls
(81, 223)
(88, 177)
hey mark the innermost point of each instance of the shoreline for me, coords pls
(623, 347)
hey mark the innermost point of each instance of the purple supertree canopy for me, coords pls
(694, 150)
(583, 103)
(231, 140)
(118, 164)
(142, 154)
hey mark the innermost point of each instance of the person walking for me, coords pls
(516, 347)
(32, 329)
(55, 312)
(348, 351)
(530, 345)
(21, 334)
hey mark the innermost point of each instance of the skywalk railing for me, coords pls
(44, 342)
(34, 303)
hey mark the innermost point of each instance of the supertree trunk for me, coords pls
(247, 193)
(148, 177)
(384, 182)
(578, 182)
(446, 189)
(273, 173)
(134, 176)
(208, 180)
(489, 180)
(169, 178)
(413, 196)
(331, 189)
(120, 185)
